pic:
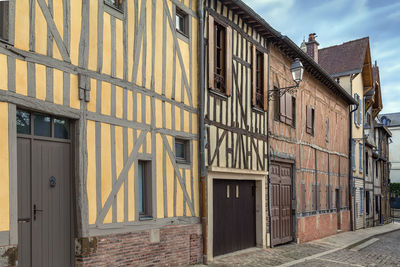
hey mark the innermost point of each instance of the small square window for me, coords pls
(181, 22)
(4, 20)
(42, 125)
(114, 3)
(61, 128)
(182, 151)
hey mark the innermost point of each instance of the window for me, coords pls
(42, 125)
(367, 204)
(360, 160)
(259, 99)
(4, 20)
(310, 119)
(114, 3)
(327, 130)
(145, 189)
(219, 57)
(376, 170)
(182, 150)
(367, 163)
(181, 22)
(358, 113)
(353, 153)
(361, 200)
(219, 72)
(286, 108)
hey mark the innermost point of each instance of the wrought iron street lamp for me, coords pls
(297, 71)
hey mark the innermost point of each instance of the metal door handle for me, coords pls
(35, 210)
(24, 220)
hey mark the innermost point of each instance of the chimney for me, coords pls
(312, 46)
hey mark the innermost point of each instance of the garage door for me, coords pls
(281, 203)
(234, 216)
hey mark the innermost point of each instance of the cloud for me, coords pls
(338, 21)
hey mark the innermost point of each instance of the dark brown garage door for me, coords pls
(45, 228)
(234, 216)
(281, 204)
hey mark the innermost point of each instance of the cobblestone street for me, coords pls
(340, 250)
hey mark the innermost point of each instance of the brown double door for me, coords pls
(281, 203)
(234, 226)
(45, 228)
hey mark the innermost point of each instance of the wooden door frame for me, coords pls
(292, 163)
(76, 134)
(260, 178)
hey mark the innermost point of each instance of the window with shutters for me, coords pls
(361, 200)
(310, 120)
(287, 109)
(259, 84)
(353, 154)
(4, 20)
(219, 57)
(360, 155)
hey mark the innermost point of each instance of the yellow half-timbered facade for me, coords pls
(121, 77)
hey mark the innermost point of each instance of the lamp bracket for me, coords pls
(283, 90)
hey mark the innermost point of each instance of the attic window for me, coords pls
(4, 20)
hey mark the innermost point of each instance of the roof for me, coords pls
(347, 58)
(288, 47)
(393, 117)
(375, 73)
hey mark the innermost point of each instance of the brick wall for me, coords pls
(176, 245)
(319, 226)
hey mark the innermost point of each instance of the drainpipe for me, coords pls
(351, 178)
(203, 180)
(365, 168)
(269, 152)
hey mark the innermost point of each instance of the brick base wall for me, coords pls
(175, 245)
(322, 225)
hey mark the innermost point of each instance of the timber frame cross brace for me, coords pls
(282, 91)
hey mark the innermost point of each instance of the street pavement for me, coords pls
(344, 249)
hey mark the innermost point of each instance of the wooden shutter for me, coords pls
(211, 47)
(288, 108)
(228, 64)
(265, 81)
(308, 120)
(253, 76)
(282, 108)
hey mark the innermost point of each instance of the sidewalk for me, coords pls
(291, 254)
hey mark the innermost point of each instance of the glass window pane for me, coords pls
(61, 128)
(42, 125)
(4, 18)
(140, 174)
(23, 122)
(180, 150)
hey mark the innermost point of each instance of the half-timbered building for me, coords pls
(268, 157)
(309, 148)
(98, 136)
(236, 134)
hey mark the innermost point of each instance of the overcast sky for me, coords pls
(338, 21)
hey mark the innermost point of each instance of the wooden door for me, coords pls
(281, 203)
(234, 216)
(45, 215)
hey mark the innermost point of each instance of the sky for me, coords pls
(338, 21)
